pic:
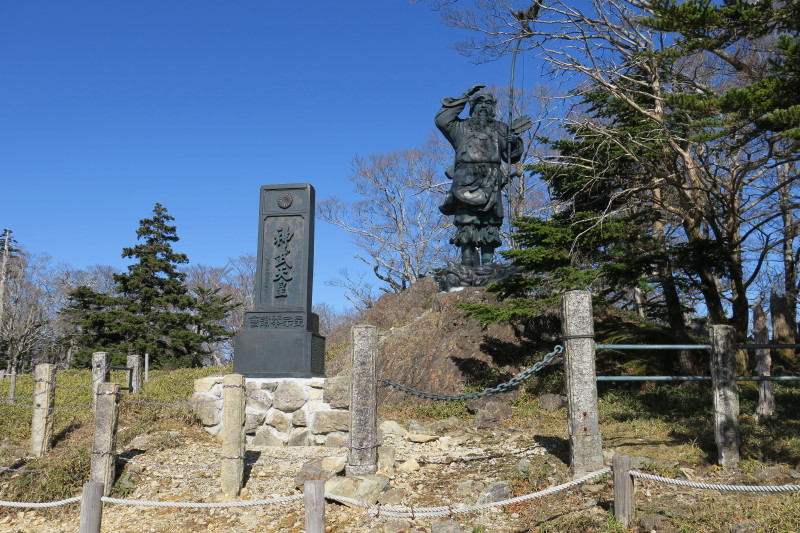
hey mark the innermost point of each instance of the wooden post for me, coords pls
(101, 372)
(12, 388)
(363, 457)
(137, 376)
(91, 508)
(623, 489)
(726, 396)
(44, 382)
(233, 438)
(105, 436)
(315, 506)
(577, 327)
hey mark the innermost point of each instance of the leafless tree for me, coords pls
(395, 223)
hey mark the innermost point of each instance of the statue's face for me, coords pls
(482, 109)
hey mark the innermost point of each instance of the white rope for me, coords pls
(710, 486)
(200, 505)
(391, 511)
(40, 505)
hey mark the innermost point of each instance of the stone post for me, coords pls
(363, 456)
(146, 367)
(12, 388)
(623, 489)
(137, 374)
(44, 385)
(577, 327)
(233, 438)
(101, 372)
(314, 492)
(726, 396)
(91, 508)
(105, 436)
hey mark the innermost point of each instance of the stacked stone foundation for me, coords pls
(282, 411)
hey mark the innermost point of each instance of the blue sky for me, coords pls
(109, 107)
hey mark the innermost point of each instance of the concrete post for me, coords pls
(314, 492)
(91, 508)
(101, 372)
(12, 388)
(137, 374)
(233, 438)
(44, 386)
(726, 396)
(105, 436)
(577, 327)
(623, 489)
(146, 367)
(363, 456)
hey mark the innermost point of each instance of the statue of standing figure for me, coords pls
(481, 144)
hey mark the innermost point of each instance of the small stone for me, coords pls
(269, 436)
(410, 465)
(386, 455)
(279, 420)
(253, 418)
(552, 402)
(449, 526)
(334, 440)
(524, 466)
(397, 525)
(420, 439)
(300, 417)
(393, 496)
(390, 427)
(334, 465)
(299, 437)
(495, 492)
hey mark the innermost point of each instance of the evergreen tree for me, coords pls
(153, 310)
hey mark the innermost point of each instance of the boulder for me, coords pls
(269, 436)
(336, 392)
(289, 396)
(209, 410)
(362, 488)
(330, 421)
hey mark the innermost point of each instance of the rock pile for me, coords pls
(282, 412)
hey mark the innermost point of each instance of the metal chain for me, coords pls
(503, 387)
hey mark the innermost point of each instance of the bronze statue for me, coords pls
(481, 143)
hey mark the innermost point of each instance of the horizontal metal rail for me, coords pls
(653, 346)
(694, 378)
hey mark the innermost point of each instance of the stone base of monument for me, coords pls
(279, 353)
(456, 275)
(282, 412)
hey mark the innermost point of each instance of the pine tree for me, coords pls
(153, 310)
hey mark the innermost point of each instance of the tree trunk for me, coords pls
(782, 332)
(766, 397)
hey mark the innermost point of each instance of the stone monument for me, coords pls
(481, 145)
(281, 335)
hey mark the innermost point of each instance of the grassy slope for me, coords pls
(668, 424)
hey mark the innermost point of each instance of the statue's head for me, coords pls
(482, 105)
